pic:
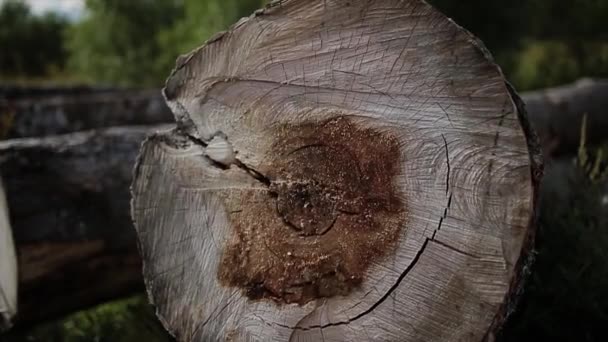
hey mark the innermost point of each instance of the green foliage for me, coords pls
(136, 42)
(593, 166)
(538, 43)
(127, 320)
(117, 42)
(31, 45)
(540, 64)
(201, 20)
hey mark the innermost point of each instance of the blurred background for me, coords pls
(75, 65)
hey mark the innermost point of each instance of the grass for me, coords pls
(127, 320)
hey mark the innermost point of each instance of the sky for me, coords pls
(70, 8)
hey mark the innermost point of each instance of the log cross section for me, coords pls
(340, 171)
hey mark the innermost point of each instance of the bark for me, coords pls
(557, 113)
(68, 200)
(48, 113)
(344, 171)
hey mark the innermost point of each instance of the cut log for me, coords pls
(557, 115)
(344, 171)
(42, 115)
(68, 199)
(8, 267)
(15, 91)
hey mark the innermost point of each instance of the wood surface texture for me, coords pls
(382, 186)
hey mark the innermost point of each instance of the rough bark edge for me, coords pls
(528, 253)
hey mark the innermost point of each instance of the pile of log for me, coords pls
(36, 112)
(67, 164)
(66, 161)
(68, 194)
(557, 115)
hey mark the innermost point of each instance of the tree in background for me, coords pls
(539, 43)
(201, 19)
(497, 23)
(117, 41)
(136, 42)
(565, 39)
(32, 46)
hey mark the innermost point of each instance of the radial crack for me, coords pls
(447, 159)
(454, 249)
(251, 171)
(376, 304)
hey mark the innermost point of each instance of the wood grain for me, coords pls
(465, 180)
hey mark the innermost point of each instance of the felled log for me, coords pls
(557, 115)
(42, 115)
(15, 91)
(8, 267)
(345, 171)
(68, 198)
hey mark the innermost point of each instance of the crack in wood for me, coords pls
(389, 292)
(213, 315)
(443, 217)
(457, 250)
(376, 304)
(251, 171)
(399, 279)
(266, 181)
(447, 159)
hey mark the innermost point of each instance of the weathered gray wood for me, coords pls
(344, 171)
(31, 116)
(14, 91)
(557, 115)
(68, 200)
(8, 267)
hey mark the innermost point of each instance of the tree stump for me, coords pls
(341, 171)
